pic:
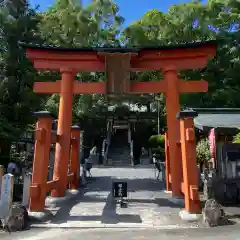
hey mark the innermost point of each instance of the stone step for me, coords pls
(120, 159)
(119, 155)
(122, 154)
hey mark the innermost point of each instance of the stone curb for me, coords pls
(189, 217)
(40, 216)
(109, 226)
(51, 201)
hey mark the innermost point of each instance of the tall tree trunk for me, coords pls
(5, 147)
(149, 107)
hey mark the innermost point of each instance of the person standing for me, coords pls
(12, 168)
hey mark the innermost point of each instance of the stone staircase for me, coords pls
(119, 152)
(119, 156)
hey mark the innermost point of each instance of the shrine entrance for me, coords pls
(117, 63)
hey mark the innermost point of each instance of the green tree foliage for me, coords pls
(17, 101)
(69, 24)
(195, 21)
(157, 143)
(203, 151)
(236, 138)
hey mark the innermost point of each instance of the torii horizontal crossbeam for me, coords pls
(135, 88)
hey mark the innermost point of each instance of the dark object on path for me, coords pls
(88, 168)
(212, 213)
(123, 204)
(100, 159)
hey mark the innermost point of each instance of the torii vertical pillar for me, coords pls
(75, 157)
(173, 107)
(41, 160)
(62, 153)
(189, 162)
(167, 164)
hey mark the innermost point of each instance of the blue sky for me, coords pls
(131, 10)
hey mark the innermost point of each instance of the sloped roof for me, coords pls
(219, 118)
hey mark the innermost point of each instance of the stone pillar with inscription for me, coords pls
(6, 196)
(26, 189)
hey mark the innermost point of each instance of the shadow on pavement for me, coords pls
(109, 215)
(99, 191)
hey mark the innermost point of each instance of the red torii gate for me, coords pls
(118, 63)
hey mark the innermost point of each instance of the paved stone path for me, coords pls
(148, 205)
(219, 233)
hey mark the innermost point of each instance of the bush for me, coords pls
(157, 141)
(158, 150)
(236, 139)
(203, 151)
(157, 144)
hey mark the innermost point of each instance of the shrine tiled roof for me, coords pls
(219, 118)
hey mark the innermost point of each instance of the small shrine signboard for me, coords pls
(119, 189)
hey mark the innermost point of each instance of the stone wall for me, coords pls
(225, 191)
